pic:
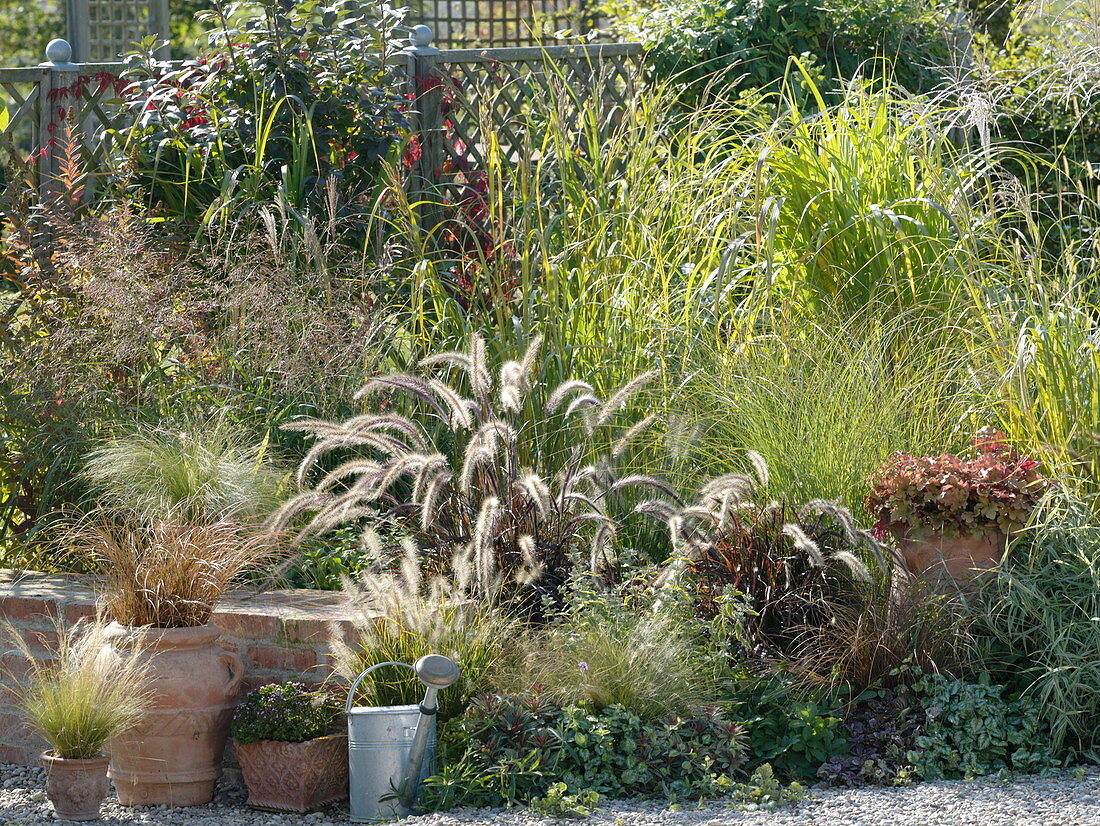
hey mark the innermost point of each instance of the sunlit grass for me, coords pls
(826, 407)
(83, 696)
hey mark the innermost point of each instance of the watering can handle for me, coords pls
(359, 679)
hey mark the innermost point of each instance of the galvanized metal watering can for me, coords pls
(391, 748)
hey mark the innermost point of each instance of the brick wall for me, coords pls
(279, 635)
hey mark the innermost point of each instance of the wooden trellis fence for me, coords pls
(501, 23)
(55, 100)
(460, 94)
(102, 30)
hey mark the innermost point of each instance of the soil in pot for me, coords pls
(173, 757)
(295, 777)
(957, 560)
(76, 788)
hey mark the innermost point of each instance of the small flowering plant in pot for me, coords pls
(289, 747)
(76, 700)
(950, 515)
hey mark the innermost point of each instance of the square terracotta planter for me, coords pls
(295, 777)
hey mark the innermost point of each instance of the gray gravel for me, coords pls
(1064, 800)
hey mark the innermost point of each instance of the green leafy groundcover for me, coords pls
(518, 748)
(975, 729)
(513, 748)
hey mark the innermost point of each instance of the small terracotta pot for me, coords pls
(958, 559)
(295, 777)
(174, 755)
(76, 788)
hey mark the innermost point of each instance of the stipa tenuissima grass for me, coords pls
(78, 698)
(485, 487)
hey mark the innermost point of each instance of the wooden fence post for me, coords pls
(43, 118)
(58, 73)
(425, 90)
(78, 25)
(160, 25)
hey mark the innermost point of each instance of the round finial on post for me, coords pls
(58, 50)
(421, 36)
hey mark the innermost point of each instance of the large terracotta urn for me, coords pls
(958, 560)
(76, 788)
(174, 755)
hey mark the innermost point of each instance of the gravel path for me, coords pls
(1029, 801)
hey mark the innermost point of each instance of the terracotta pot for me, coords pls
(174, 755)
(76, 788)
(295, 777)
(957, 559)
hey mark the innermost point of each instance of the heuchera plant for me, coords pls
(995, 489)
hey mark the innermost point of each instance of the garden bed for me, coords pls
(728, 435)
(1065, 800)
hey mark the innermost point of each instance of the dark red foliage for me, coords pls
(881, 730)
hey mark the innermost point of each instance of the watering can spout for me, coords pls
(436, 672)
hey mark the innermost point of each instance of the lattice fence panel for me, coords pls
(103, 30)
(467, 99)
(93, 112)
(500, 23)
(461, 97)
(19, 91)
(504, 89)
(48, 109)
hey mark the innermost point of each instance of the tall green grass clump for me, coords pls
(191, 474)
(1039, 627)
(594, 220)
(827, 406)
(864, 202)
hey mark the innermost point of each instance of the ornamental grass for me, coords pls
(81, 698)
(168, 575)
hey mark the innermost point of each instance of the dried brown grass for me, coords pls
(168, 575)
(890, 629)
